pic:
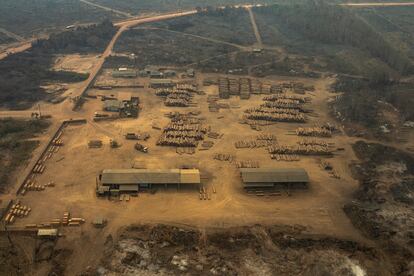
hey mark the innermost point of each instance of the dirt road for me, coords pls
(378, 4)
(255, 28)
(12, 35)
(123, 26)
(106, 8)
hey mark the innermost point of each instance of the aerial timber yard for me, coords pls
(156, 162)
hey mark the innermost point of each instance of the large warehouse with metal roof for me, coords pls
(271, 177)
(131, 180)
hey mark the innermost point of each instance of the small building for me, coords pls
(271, 177)
(148, 69)
(47, 233)
(190, 73)
(124, 73)
(99, 222)
(169, 73)
(113, 105)
(132, 180)
(156, 75)
(161, 83)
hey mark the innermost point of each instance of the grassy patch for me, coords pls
(15, 146)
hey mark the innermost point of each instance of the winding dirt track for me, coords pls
(362, 5)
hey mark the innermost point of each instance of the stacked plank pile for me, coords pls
(234, 87)
(224, 91)
(182, 131)
(95, 144)
(244, 88)
(17, 210)
(255, 86)
(213, 106)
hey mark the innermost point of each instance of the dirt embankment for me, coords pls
(254, 250)
(383, 208)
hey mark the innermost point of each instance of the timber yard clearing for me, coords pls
(190, 166)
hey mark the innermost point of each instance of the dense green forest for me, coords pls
(24, 73)
(31, 17)
(229, 24)
(91, 39)
(141, 6)
(16, 145)
(317, 21)
(360, 101)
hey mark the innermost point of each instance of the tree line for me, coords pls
(332, 24)
(23, 74)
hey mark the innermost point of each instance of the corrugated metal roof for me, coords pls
(274, 175)
(190, 176)
(47, 232)
(161, 81)
(149, 176)
(128, 188)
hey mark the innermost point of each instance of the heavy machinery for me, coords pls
(141, 148)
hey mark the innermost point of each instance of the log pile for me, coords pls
(272, 110)
(184, 150)
(223, 157)
(267, 137)
(300, 149)
(283, 104)
(277, 97)
(182, 131)
(314, 142)
(313, 131)
(249, 144)
(276, 117)
(247, 164)
(175, 97)
(285, 157)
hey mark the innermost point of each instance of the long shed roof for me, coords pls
(150, 176)
(274, 175)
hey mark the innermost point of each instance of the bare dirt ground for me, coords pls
(75, 166)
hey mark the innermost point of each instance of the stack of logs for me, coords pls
(182, 131)
(276, 117)
(224, 157)
(247, 164)
(175, 97)
(314, 131)
(300, 149)
(279, 108)
(278, 97)
(285, 157)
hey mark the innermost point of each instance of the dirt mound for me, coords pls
(253, 250)
(383, 205)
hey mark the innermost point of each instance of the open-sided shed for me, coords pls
(270, 177)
